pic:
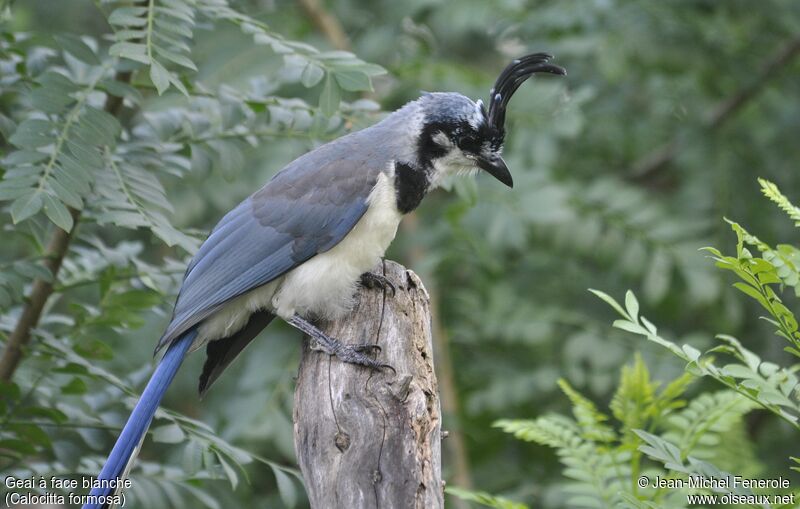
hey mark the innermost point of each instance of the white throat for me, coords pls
(453, 163)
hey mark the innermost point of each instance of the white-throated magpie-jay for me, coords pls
(297, 247)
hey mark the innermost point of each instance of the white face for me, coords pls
(454, 162)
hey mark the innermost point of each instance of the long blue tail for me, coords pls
(125, 449)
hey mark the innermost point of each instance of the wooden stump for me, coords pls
(366, 438)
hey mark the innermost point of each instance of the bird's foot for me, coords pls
(332, 346)
(352, 354)
(377, 281)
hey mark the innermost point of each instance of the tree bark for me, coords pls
(366, 438)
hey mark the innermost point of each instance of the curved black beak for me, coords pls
(497, 168)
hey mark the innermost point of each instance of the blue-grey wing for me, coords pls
(304, 210)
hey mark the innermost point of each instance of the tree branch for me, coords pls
(656, 161)
(41, 289)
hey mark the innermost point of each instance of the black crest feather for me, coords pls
(509, 81)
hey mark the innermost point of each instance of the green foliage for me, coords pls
(701, 427)
(604, 462)
(85, 136)
(758, 274)
(59, 144)
(765, 383)
(507, 270)
(485, 499)
(772, 192)
(155, 34)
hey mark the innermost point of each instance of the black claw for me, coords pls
(367, 348)
(377, 281)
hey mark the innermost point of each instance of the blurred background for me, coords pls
(623, 170)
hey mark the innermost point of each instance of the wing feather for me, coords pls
(306, 209)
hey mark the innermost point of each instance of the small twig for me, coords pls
(326, 23)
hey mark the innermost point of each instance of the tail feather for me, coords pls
(127, 445)
(221, 352)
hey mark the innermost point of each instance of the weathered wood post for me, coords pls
(372, 439)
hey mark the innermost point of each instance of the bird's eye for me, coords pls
(468, 143)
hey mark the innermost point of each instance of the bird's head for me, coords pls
(459, 135)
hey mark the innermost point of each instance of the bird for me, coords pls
(298, 248)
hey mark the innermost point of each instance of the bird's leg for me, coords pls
(372, 281)
(353, 354)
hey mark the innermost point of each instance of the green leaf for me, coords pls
(330, 97)
(230, 473)
(630, 327)
(75, 386)
(752, 292)
(128, 17)
(311, 75)
(50, 100)
(169, 434)
(103, 127)
(632, 305)
(129, 50)
(20, 157)
(353, 81)
(26, 205)
(120, 89)
(160, 77)
(610, 301)
(33, 133)
(57, 213)
(176, 58)
(77, 48)
(483, 498)
(286, 488)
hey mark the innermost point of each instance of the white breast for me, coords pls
(324, 285)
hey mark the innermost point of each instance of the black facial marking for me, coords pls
(410, 186)
(427, 149)
(469, 143)
(462, 133)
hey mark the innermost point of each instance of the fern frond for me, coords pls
(632, 403)
(705, 418)
(590, 419)
(668, 454)
(668, 400)
(58, 152)
(554, 431)
(483, 498)
(742, 459)
(131, 197)
(158, 35)
(772, 192)
(599, 473)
